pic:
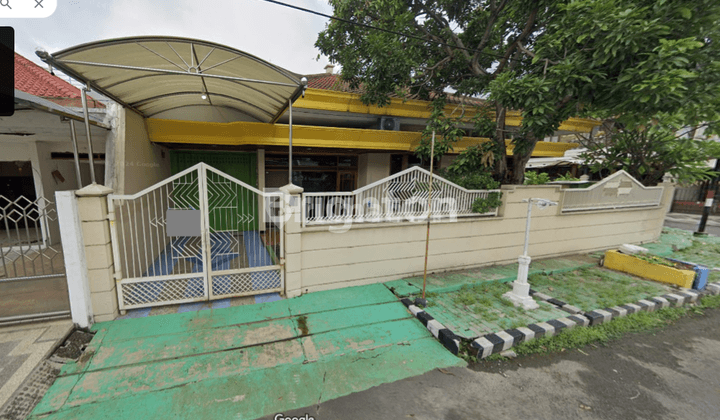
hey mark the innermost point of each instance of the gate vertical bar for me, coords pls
(205, 228)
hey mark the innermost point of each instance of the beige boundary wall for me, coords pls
(319, 259)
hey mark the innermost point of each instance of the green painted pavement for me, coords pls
(188, 321)
(169, 346)
(347, 297)
(162, 347)
(357, 338)
(451, 282)
(337, 343)
(671, 239)
(108, 384)
(269, 391)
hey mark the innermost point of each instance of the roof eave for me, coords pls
(42, 104)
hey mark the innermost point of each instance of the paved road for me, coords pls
(670, 374)
(692, 221)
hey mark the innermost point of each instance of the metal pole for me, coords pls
(709, 198)
(87, 132)
(290, 158)
(75, 153)
(527, 228)
(427, 238)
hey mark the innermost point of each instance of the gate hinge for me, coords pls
(282, 261)
(111, 216)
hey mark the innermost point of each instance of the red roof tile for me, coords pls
(327, 81)
(33, 79)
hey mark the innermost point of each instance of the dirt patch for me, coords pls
(302, 325)
(272, 332)
(74, 346)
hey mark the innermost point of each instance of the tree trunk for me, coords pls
(520, 160)
(501, 162)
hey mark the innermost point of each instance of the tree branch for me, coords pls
(494, 14)
(529, 25)
(445, 25)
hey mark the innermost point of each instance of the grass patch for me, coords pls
(482, 294)
(486, 301)
(580, 337)
(595, 287)
(601, 334)
(710, 302)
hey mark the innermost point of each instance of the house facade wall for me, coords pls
(372, 167)
(370, 253)
(138, 163)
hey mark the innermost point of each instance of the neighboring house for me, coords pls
(36, 160)
(36, 153)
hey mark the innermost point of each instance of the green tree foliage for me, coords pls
(641, 62)
(471, 170)
(647, 154)
(536, 178)
(455, 44)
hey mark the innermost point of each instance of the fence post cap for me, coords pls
(291, 189)
(94, 190)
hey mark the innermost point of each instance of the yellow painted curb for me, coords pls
(615, 260)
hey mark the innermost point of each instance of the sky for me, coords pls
(282, 36)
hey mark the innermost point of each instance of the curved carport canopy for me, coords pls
(157, 75)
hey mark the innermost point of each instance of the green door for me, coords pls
(232, 207)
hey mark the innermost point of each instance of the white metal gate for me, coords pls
(238, 252)
(32, 269)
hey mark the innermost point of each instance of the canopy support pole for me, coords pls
(87, 132)
(75, 153)
(290, 161)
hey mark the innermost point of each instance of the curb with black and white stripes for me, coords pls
(449, 339)
(504, 340)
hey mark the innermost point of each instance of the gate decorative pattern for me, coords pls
(236, 254)
(32, 268)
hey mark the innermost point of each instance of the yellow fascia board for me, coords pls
(262, 134)
(330, 100)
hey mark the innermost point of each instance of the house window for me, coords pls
(314, 173)
(396, 163)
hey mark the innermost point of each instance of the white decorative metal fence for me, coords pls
(235, 252)
(403, 196)
(32, 269)
(617, 191)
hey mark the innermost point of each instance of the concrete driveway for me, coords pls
(247, 361)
